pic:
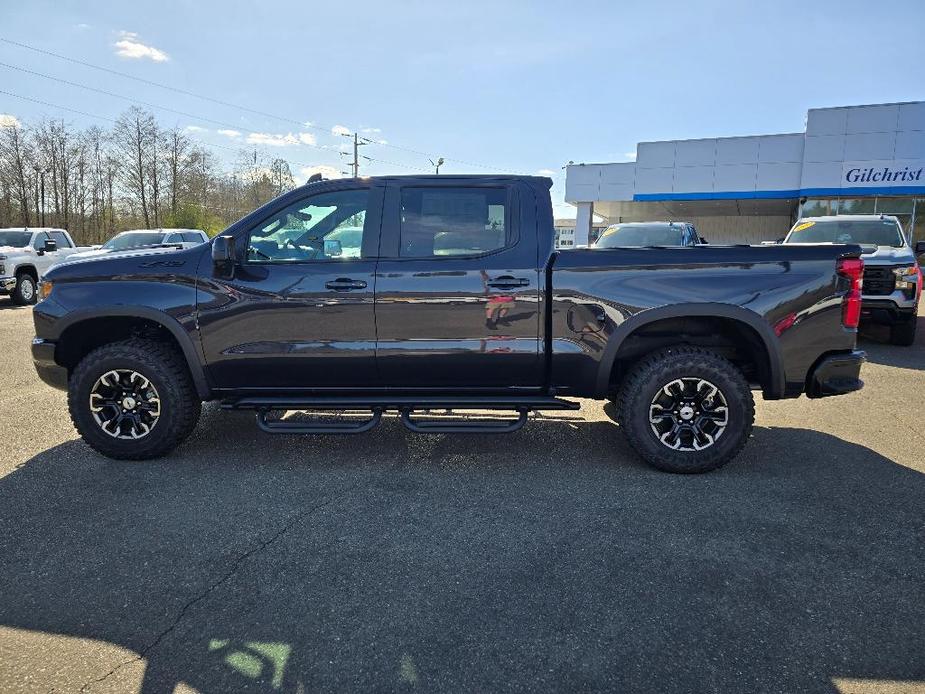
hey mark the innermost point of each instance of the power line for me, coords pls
(182, 113)
(228, 104)
(113, 120)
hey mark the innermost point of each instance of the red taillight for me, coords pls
(853, 269)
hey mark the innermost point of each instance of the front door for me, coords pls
(298, 313)
(458, 290)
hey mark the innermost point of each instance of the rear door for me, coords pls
(458, 290)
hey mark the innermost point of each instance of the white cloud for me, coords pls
(194, 129)
(340, 130)
(8, 121)
(280, 140)
(325, 171)
(630, 155)
(371, 131)
(545, 172)
(82, 26)
(229, 133)
(128, 46)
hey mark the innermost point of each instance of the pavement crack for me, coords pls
(224, 578)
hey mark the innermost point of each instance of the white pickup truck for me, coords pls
(25, 256)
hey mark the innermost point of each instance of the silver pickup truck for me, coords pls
(25, 256)
(892, 278)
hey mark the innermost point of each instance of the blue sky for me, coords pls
(490, 86)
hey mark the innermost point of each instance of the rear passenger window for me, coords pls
(191, 237)
(60, 239)
(452, 221)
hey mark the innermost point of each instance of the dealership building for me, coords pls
(850, 160)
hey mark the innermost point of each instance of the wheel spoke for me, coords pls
(125, 404)
(688, 414)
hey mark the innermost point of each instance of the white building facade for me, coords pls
(851, 159)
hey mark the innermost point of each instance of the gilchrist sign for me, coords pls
(883, 174)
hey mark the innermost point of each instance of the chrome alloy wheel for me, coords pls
(688, 414)
(125, 404)
(27, 289)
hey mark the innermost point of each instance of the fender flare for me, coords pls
(172, 325)
(27, 267)
(699, 310)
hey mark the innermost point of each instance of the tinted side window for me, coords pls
(39, 242)
(327, 226)
(60, 239)
(191, 237)
(452, 221)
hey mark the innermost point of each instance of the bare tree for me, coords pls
(15, 153)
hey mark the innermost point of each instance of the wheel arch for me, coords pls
(76, 334)
(28, 269)
(741, 318)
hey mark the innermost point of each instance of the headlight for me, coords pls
(2, 269)
(906, 277)
(45, 289)
(906, 273)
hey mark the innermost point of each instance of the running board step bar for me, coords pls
(405, 405)
(444, 426)
(279, 426)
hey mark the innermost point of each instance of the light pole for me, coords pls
(437, 164)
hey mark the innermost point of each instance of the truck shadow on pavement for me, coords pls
(549, 560)
(875, 340)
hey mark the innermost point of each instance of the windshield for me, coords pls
(133, 239)
(16, 239)
(641, 235)
(876, 232)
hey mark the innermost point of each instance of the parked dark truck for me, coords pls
(428, 293)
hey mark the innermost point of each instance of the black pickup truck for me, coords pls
(428, 293)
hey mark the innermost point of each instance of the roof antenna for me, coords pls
(314, 178)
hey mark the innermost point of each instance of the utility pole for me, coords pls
(437, 164)
(355, 166)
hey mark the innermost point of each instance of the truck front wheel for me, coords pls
(133, 400)
(686, 409)
(25, 290)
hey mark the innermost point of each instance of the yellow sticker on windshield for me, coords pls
(804, 225)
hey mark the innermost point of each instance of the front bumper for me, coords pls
(7, 285)
(888, 311)
(836, 373)
(43, 358)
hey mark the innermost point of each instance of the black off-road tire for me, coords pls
(168, 373)
(903, 334)
(26, 290)
(657, 370)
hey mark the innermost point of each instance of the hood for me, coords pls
(887, 255)
(9, 250)
(100, 256)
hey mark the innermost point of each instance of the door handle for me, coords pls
(344, 284)
(508, 282)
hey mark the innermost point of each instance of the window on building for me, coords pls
(856, 206)
(895, 205)
(815, 207)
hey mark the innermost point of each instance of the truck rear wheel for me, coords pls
(903, 334)
(25, 291)
(686, 410)
(133, 400)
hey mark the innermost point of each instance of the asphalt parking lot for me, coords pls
(548, 560)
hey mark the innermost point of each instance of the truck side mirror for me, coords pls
(704, 241)
(920, 247)
(51, 245)
(223, 256)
